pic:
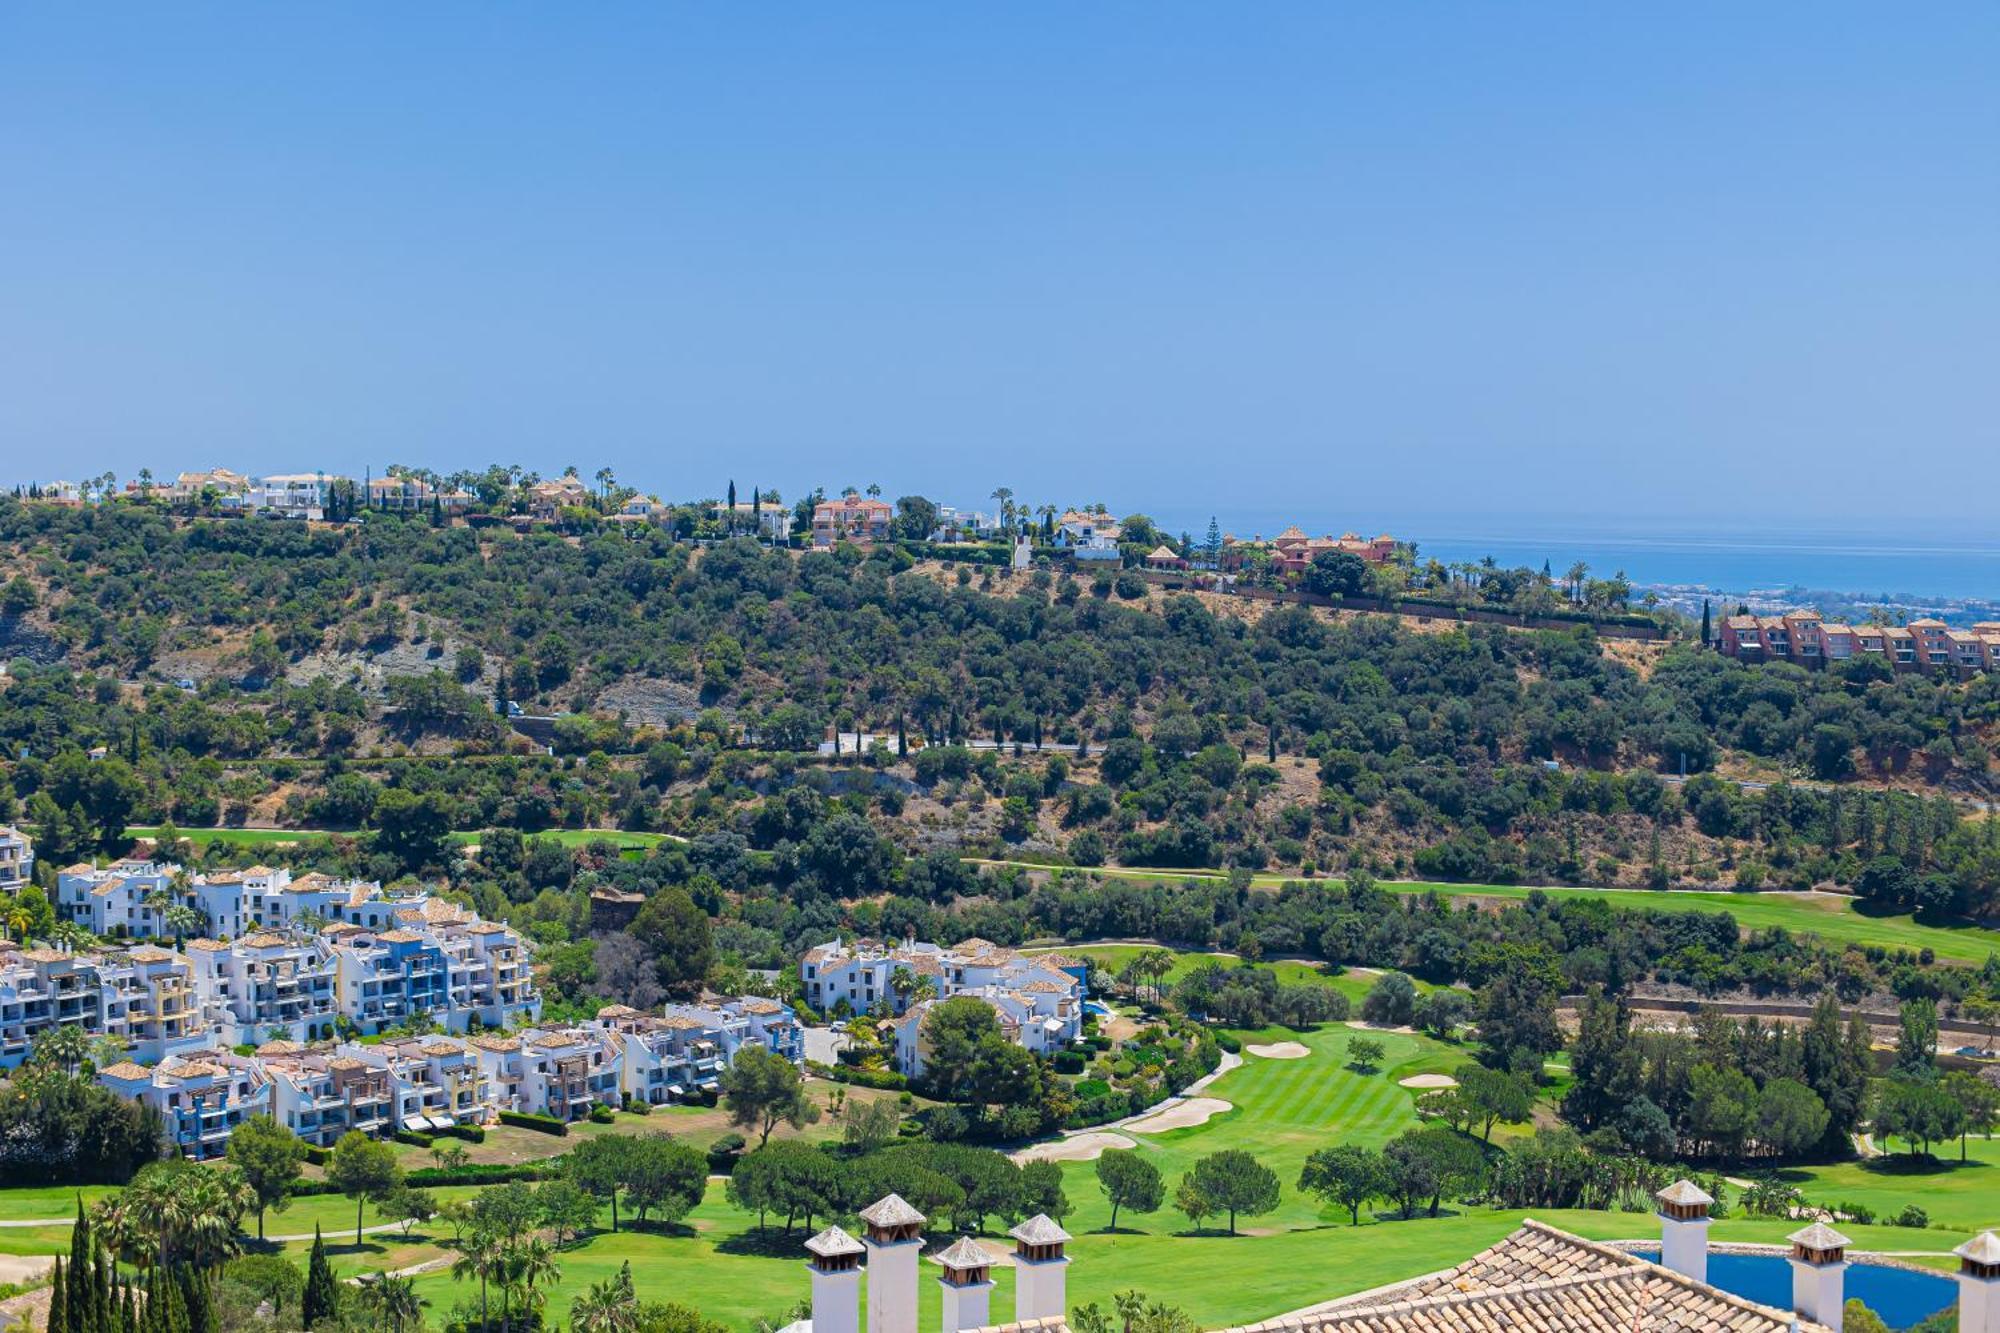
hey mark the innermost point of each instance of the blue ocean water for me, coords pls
(1915, 560)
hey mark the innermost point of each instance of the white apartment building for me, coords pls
(202, 1097)
(270, 984)
(293, 494)
(561, 1072)
(17, 859)
(322, 1094)
(863, 974)
(682, 1051)
(142, 996)
(1042, 1016)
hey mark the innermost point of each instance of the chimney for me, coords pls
(835, 1265)
(1819, 1274)
(894, 1237)
(1684, 1229)
(1979, 1284)
(966, 1286)
(1039, 1279)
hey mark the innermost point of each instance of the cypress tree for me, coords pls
(902, 745)
(1704, 622)
(105, 1292)
(79, 1300)
(59, 1301)
(321, 1300)
(201, 1316)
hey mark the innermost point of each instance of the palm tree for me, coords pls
(1575, 576)
(19, 922)
(533, 1265)
(177, 1211)
(482, 1256)
(1005, 495)
(608, 1307)
(64, 1046)
(393, 1300)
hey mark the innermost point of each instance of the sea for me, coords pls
(1910, 564)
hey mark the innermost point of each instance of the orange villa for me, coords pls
(851, 518)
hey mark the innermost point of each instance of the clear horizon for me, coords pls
(1515, 266)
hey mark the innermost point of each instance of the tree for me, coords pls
(1978, 1103)
(1494, 1095)
(598, 1166)
(1235, 1182)
(320, 1303)
(1917, 1038)
(482, 1255)
(1790, 1117)
(664, 1177)
(1365, 1053)
(1347, 1175)
(1391, 1001)
(761, 1090)
(1130, 1180)
(610, 1306)
(677, 933)
(410, 1206)
(1721, 1108)
(365, 1170)
(565, 1209)
(270, 1157)
(791, 1177)
(393, 1300)
(1336, 574)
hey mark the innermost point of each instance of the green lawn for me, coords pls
(34, 1202)
(1954, 1194)
(1353, 983)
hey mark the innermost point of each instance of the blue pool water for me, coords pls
(1900, 1296)
(1093, 1007)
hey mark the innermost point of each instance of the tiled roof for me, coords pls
(1040, 1229)
(495, 1043)
(399, 937)
(1685, 1194)
(280, 1048)
(1542, 1280)
(440, 1047)
(207, 946)
(1819, 1236)
(264, 940)
(45, 955)
(965, 1253)
(891, 1211)
(126, 1070)
(1981, 1249)
(834, 1242)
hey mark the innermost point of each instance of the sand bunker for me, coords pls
(1076, 1148)
(1429, 1081)
(1194, 1111)
(1363, 1025)
(1281, 1050)
(25, 1267)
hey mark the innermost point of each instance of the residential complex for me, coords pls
(851, 518)
(302, 958)
(17, 859)
(1038, 998)
(204, 1085)
(1807, 639)
(1291, 552)
(1090, 538)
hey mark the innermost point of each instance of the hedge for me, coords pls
(413, 1138)
(869, 1078)
(541, 1124)
(427, 1177)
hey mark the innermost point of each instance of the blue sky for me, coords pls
(1477, 259)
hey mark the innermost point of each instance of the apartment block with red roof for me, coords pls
(1803, 637)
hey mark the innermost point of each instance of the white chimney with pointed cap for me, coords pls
(1979, 1284)
(1819, 1274)
(1040, 1283)
(966, 1286)
(835, 1264)
(1684, 1229)
(894, 1238)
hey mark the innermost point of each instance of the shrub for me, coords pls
(470, 1133)
(318, 1156)
(870, 1078)
(1911, 1216)
(541, 1124)
(722, 1154)
(1228, 1043)
(601, 1114)
(413, 1138)
(1069, 1062)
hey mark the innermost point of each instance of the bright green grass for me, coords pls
(31, 1203)
(1954, 1194)
(1113, 957)
(716, 1262)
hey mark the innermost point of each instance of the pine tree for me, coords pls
(321, 1300)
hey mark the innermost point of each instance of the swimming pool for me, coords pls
(1900, 1296)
